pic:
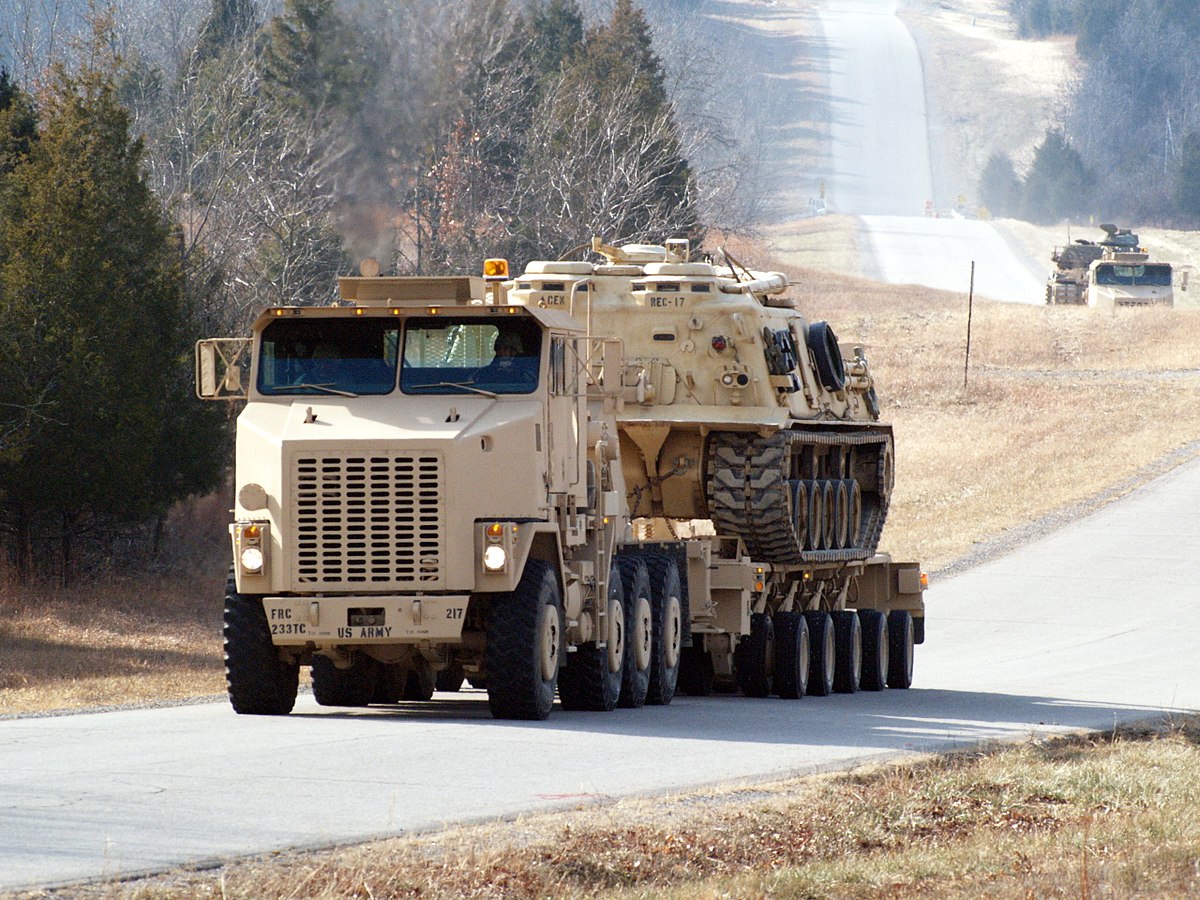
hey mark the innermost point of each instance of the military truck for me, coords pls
(1115, 271)
(599, 480)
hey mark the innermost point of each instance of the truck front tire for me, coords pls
(524, 643)
(260, 683)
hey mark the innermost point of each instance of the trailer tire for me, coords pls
(353, 686)
(420, 684)
(752, 659)
(259, 682)
(587, 680)
(450, 679)
(696, 672)
(667, 607)
(900, 646)
(791, 655)
(875, 649)
(847, 636)
(524, 645)
(822, 653)
(639, 630)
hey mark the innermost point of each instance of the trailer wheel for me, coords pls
(260, 683)
(753, 657)
(639, 628)
(591, 677)
(875, 649)
(353, 686)
(900, 645)
(821, 653)
(847, 637)
(450, 679)
(420, 684)
(524, 642)
(695, 672)
(791, 655)
(666, 592)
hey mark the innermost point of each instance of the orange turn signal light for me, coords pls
(495, 268)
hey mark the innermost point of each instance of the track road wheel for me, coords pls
(875, 649)
(821, 653)
(259, 682)
(590, 678)
(754, 657)
(352, 686)
(524, 642)
(847, 635)
(667, 639)
(791, 655)
(695, 672)
(900, 641)
(639, 630)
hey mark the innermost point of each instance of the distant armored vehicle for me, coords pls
(1117, 271)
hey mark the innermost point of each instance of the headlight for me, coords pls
(495, 558)
(252, 559)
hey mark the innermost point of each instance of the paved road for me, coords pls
(1092, 625)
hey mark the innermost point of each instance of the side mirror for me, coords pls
(222, 368)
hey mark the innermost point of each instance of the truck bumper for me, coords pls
(296, 621)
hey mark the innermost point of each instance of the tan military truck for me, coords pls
(495, 480)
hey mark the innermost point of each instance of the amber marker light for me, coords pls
(924, 581)
(495, 268)
(252, 531)
(495, 531)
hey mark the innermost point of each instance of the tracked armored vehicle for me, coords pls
(1116, 271)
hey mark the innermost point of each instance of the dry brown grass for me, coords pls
(1100, 815)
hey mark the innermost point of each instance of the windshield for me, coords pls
(1133, 276)
(470, 355)
(329, 356)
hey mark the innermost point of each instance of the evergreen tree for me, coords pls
(999, 186)
(1058, 184)
(229, 24)
(97, 336)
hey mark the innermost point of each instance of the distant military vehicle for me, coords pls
(1116, 271)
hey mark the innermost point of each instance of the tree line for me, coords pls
(1127, 146)
(150, 197)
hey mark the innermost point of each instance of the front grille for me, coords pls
(367, 521)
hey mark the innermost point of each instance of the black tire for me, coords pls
(900, 645)
(875, 649)
(791, 655)
(639, 630)
(450, 679)
(667, 607)
(524, 644)
(353, 686)
(827, 356)
(847, 636)
(389, 686)
(420, 684)
(822, 653)
(753, 659)
(587, 679)
(696, 672)
(260, 683)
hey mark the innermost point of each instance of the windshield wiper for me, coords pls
(464, 385)
(323, 387)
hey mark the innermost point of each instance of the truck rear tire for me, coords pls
(821, 652)
(420, 684)
(524, 643)
(753, 659)
(635, 680)
(791, 655)
(260, 683)
(900, 641)
(588, 679)
(666, 597)
(450, 679)
(353, 686)
(847, 636)
(875, 649)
